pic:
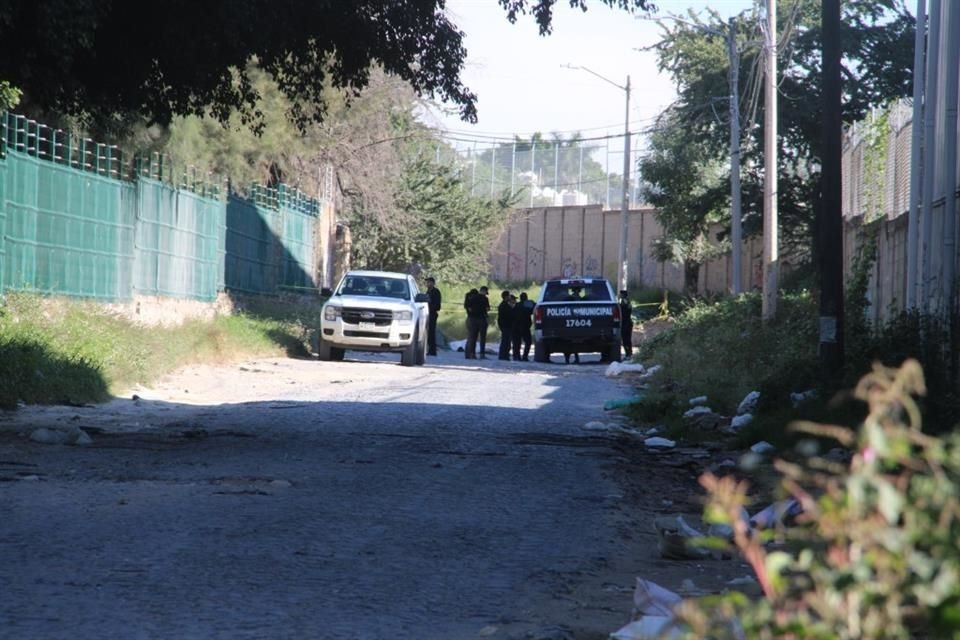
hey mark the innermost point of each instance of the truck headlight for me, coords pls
(331, 312)
(403, 316)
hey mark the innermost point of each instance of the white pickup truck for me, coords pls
(375, 311)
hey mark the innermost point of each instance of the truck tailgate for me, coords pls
(577, 319)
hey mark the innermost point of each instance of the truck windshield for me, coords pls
(577, 291)
(377, 286)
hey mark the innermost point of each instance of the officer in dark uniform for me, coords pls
(505, 324)
(626, 323)
(476, 313)
(433, 306)
(522, 321)
(484, 322)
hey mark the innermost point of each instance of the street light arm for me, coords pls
(594, 73)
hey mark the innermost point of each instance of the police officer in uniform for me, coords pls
(505, 324)
(433, 306)
(522, 321)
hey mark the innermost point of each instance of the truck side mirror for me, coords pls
(326, 292)
(421, 297)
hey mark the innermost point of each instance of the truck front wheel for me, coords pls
(408, 357)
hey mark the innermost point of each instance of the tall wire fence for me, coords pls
(77, 218)
(541, 171)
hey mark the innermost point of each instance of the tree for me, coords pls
(448, 231)
(681, 179)
(104, 57)
(877, 40)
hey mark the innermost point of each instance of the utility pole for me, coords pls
(771, 259)
(625, 204)
(830, 213)
(625, 199)
(916, 189)
(736, 233)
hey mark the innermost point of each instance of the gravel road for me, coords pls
(297, 499)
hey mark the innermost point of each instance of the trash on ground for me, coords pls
(776, 513)
(458, 345)
(649, 628)
(763, 447)
(674, 535)
(799, 398)
(749, 403)
(696, 411)
(650, 372)
(698, 400)
(706, 420)
(657, 442)
(595, 425)
(650, 599)
(620, 403)
(74, 435)
(725, 531)
(740, 421)
(616, 368)
(722, 466)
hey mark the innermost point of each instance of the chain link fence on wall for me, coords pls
(78, 219)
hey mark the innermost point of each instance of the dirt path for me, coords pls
(294, 499)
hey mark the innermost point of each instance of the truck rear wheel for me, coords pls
(540, 352)
(612, 354)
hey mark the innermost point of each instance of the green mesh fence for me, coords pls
(257, 261)
(178, 242)
(67, 232)
(76, 220)
(3, 212)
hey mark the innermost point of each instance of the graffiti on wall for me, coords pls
(535, 257)
(514, 264)
(591, 266)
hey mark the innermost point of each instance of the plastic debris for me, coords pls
(657, 442)
(799, 398)
(725, 531)
(763, 447)
(776, 513)
(696, 411)
(740, 421)
(458, 345)
(620, 403)
(698, 400)
(673, 535)
(73, 435)
(749, 403)
(650, 599)
(595, 425)
(650, 372)
(614, 369)
(649, 628)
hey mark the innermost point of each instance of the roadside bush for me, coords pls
(873, 555)
(723, 350)
(56, 350)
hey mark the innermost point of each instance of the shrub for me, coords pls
(874, 554)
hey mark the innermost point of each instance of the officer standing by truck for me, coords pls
(433, 307)
(484, 321)
(522, 321)
(505, 324)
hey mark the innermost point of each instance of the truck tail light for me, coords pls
(538, 315)
(616, 313)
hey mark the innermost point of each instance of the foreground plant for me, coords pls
(874, 554)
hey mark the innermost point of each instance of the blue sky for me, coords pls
(522, 87)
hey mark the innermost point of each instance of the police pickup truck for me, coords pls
(576, 315)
